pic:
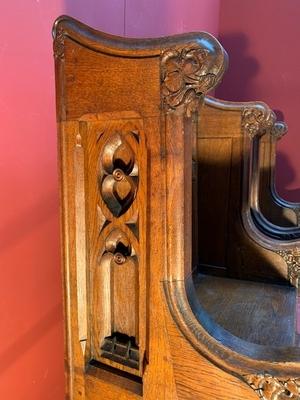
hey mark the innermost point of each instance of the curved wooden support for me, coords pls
(286, 239)
(279, 211)
(291, 210)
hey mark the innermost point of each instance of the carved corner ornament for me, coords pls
(59, 45)
(184, 77)
(292, 259)
(257, 120)
(270, 388)
(278, 130)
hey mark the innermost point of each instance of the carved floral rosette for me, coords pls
(185, 77)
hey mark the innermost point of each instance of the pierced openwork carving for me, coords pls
(59, 44)
(256, 121)
(292, 259)
(119, 175)
(117, 247)
(118, 168)
(271, 388)
(184, 77)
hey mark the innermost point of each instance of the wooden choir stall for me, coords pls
(180, 260)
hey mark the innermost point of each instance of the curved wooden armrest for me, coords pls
(274, 208)
(259, 218)
(229, 141)
(268, 160)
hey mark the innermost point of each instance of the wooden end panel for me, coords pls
(216, 122)
(92, 82)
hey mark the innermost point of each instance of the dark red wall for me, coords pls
(262, 39)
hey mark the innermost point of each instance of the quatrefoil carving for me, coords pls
(119, 175)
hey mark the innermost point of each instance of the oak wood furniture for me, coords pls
(180, 261)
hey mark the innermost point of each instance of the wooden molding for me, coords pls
(80, 244)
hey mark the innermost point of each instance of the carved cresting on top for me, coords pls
(257, 120)
(184, 77)
(271, 388)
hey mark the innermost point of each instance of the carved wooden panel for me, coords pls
(117, 199)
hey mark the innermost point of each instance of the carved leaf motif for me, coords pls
(118, 183)
(292, 259)
(257, 120)
(184, 77)
(271, 388)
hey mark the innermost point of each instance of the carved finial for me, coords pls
(59, 45)
(270, 388)
(184, 77)
(292, 259)
(279, 129)
(257, 120)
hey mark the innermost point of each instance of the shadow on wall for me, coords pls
(286, 176)
(237, 82)
(237, 85)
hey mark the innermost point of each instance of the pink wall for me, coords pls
(31, 334)
(144, 18)
(260, 38)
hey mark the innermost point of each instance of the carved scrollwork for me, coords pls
(271, 388)
(292, 259)
(257, 120)
(119, 177)
(59, 45)
(184, 77)
(279, 129)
